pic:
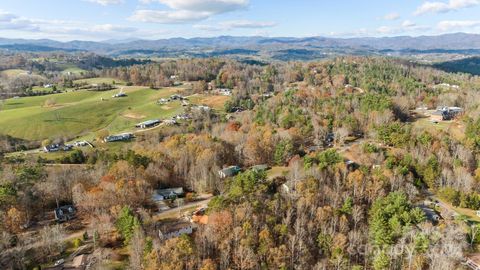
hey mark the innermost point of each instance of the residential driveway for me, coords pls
(177, 211)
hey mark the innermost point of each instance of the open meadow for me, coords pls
(73, 114)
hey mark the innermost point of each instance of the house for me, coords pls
(119, 95)
(445, 114)
(237, 109)
(160, 202)
(65, 213)
(202, 108)
(430, 214)
(177, 97)
(163, 101)
(57, 147)
(82, 144)
(175, 230)
(182, 117)
(170, 122)
(148, 124)
(224, 91)
(118, 138)
(169, 193)
(229, 171)
(51, 148)
(351, 165)
(447, 85)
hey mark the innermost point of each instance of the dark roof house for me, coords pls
(65, 213)
(120, 137)
(169, 193)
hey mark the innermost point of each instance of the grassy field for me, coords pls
(100, 81)
(12, 72)
(73, 70)
(81, 113)
(42, 89)
(454, 128)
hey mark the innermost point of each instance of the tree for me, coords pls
(389, 216)
(381, 261)
(126, 224)
(15, 219)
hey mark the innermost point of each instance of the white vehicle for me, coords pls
(59, 262)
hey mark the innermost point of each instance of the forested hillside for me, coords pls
(349, 160)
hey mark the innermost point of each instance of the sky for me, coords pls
(99, 20)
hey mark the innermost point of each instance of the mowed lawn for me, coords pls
(80, 113)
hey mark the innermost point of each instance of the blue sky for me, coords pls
(154, 19)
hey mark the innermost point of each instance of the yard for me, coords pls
(454, 128)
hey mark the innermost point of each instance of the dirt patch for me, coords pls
(166, 107)
(53, 106)
(133, 115)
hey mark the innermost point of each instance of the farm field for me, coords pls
(73, 114)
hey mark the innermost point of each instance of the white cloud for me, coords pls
(9, 21)
(385, 30)
(106, 2)
(408, 24)
(168, 17)
(184, 11)
(248, 24)
(241, 24)
(457, 25)
(391, 16)
(68, 30)
(405, 27)
(113, 28)
(443, 7)
(211, 6)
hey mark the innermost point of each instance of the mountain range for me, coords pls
(275, 47)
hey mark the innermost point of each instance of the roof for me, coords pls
(173, 226)
(149, 122)
(169, 191)
(230, 169)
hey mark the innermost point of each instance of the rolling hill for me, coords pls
(72, 114)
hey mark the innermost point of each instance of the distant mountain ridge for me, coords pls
(447, 42)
